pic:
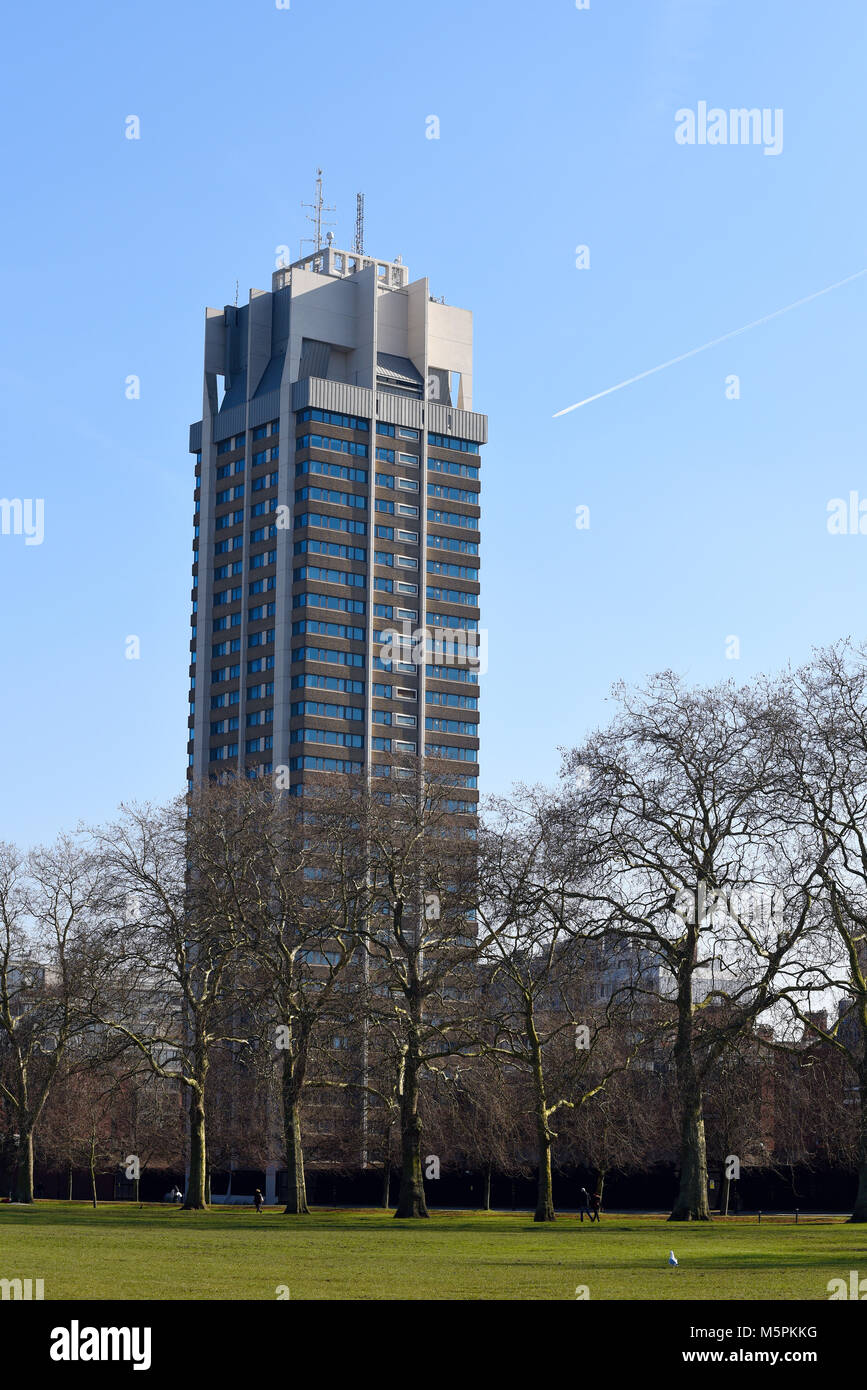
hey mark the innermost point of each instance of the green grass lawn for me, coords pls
(120, 1251)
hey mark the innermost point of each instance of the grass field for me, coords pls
(121, 1251)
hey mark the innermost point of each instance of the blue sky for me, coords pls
(557, 125)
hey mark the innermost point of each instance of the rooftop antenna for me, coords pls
(359, 225)
(317, 219)
(236, 294)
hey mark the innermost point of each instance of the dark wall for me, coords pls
(831, 1191)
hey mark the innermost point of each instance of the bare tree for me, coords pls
(824, 713)
(304, 924)
(420, 942)
(539, 1011)
(678, 787)
(50, 901)
(168, 953)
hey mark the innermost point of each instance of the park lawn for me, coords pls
(120, 1251)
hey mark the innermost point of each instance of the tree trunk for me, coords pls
(296, 1197)
(544, 1137)
(196, 1198)
(92, 1166)
(486, 1200)
(386, 1181)
(291, 1085)
(24, 1169)
(691, 1202)
(859, 1213)
(544, 1186)
(69, 1182)
(411, 1199)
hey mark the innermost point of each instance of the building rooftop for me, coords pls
(330, 260)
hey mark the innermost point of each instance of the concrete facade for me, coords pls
(337, 501)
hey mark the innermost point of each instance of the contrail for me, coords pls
(713, 343)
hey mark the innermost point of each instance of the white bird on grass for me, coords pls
(672, 1259)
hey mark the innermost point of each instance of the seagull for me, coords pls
(672, 1259)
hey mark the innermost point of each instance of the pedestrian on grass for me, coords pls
(584, 1206)
(258, 1199)
(595, 1203)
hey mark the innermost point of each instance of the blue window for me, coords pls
(452, 726)
(333, 601)
(342, 684)
(453, 673)
(330, 576)
(458, 470)
(443, 697)
(449, 620)
(323, 765)
(324, 441)
(331, 523)
(330, 417)
(326, 710)
(321, 494)
(468, 523)
(334, 658)
(453, 754)
(333, 736)
(451, 543)
(453, 494)
(445, 441)
(353, 634)
(331, 470)
(342, 552)
(264, 480)
(453, 596)
(265, 557)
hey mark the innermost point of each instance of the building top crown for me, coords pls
(330, 260)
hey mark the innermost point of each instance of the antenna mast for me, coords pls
(317, 219)
(359, 224)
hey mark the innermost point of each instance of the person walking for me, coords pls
(258, 1200)
(584, 1200)
(595, 1204)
